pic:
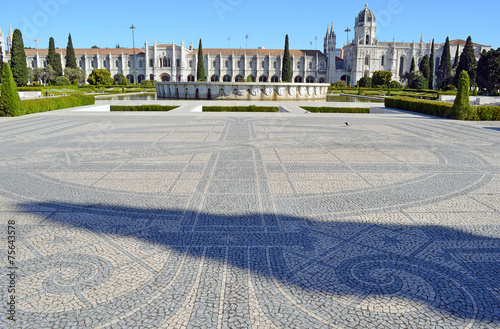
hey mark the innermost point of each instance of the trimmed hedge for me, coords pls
(440, 109)
(251, 108)
(56, 103)
(325, 109)
(142, 108)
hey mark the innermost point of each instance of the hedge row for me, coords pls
(251, 108)
(440, 109)
(142, 108)
(336, 109)
(56, 103)
(435, 108)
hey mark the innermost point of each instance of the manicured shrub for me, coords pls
(461, 107)
(365, 82)
(326, 109)
(55, 103)
(396, 85)
(63, 81)
(100, 77)
(116, 108)
(251, 108)
(10, 104)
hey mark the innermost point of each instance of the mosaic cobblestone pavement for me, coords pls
(252, 220)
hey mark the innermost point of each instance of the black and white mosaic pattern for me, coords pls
(162, 220)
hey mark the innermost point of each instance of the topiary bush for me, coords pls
(461, 107)
(55, 103)
(395, 85)
(62, 81)
(365, 82)
(10, 103)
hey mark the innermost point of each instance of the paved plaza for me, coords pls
(251, 220)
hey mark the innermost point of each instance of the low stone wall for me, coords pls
(241, 91)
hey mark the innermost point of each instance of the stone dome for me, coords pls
(365, 16)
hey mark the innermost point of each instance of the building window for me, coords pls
(178, 63)
(104, 63)
(367, 60)
(250, 64)
(190, 78)
(128, 64)
(151, 77)
(263, 78)
(310, 79)
(298, 79)
(117, 63)
(275, 79)
(190, 64)
(310, 65)
(227, 78)
(383, 60)
(239, 78)
(322, 65)
(367, 39)
(239, 64)
(226, 64)
(214, 78)
(214, 64)
(298, 65)
(274, 64)
(401, 66)
(141, 63)
(151, 62)
(263, 64)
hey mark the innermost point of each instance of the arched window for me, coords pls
(322, 65)
(298, 79)
(367, 60)
(401, 66)
(151, 77)
(151, 62)
(178, 63)
(104, 63)
(141, 63)
(117, 63)
(129, 63)
(165, 77)
(214, 63)
(310, 65)
(274, 64)
(263, 78)
(275, 79)
(191, 78)
(214, 78)
(141, 78)
(190, 64)
(310, 79)
(263, 64)
(250, 64)
(239, 78)
(33, 63)
(382, 61)
(298, 65)
(239, 64)
(321, 80)
(82, 64)
(227, 78)
(251, 78)
(367, 39)
(226, 64)
(130, 78)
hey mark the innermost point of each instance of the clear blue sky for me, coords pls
(106, 23)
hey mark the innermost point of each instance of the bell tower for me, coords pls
(329, 50)
(365, 29)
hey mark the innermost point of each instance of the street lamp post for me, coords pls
(133, 45)
(347, 30)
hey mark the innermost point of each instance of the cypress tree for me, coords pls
(70, 54)
(455, 63)
(461, 107)
(10, 104)
(1, 64)
(286, 72)
(18, 60)
(444, 72)
(431, 66)
(200, 72)
(53, 58)
(467, 63)
(412, 66)
(425, 68)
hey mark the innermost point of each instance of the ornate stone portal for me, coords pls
(241, 91)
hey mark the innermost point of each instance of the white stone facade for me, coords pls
(171, 62)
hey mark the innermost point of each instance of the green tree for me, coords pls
(286, 72)
(121, 80)
(431, 66)
(100, 77)
(457, 54)
(444, 71)
(75, 74)
(62, 81)
(412, 65)
(419, 83)
(54, 59)
(488, 70)
(70, 55)
(1, 64)
(425, 68)
(10, 103)
(200, 71)
(365, 82)
(18, 60)
(467, 63)
(381, 78)
(461, 107)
